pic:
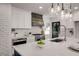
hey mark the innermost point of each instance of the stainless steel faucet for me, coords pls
(65, 31)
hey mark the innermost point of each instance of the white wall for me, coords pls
(23, 31)
(47, 23)
(66, 21)
(5, 38)
(36, 30)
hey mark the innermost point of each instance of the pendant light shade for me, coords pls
(52, 9)
(70, 15)
(58, 7)
(62, 12)
(70, 11)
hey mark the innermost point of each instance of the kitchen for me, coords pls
(39, 29)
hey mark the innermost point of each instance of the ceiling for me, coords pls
(34, 7)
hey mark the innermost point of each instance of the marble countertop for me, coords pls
(50, 49)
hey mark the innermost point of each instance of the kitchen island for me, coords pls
(50, 49)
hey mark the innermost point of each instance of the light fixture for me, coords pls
(70, 11)
(75, 8)
(58, 7)
(40, 7)
(62, 12)
(52, 9)
(69, 14)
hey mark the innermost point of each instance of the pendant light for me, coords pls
(52, 9)
(62, 12)
(58, 7)
(70, 11)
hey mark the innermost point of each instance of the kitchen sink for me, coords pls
(56, 40)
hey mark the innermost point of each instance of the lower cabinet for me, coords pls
(16, 53)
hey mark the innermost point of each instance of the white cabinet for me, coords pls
(28, 20)
(75, 16)
(20, 18)
(14, 17)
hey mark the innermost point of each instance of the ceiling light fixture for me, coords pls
(52, 9)
(70, 15)
(58, 7)
(62, 12)
(70, 11)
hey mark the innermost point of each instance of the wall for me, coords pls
(47, 23)
(68, 23)
(5, 38)
(65, 20)
(23, 31)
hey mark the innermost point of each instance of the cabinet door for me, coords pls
(21, 19)
(14, 17)
(28, 20)
(18, 17)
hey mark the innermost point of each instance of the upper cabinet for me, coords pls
(28, 20)
(75, 16)
(20, 18)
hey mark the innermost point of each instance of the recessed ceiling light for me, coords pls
(40, 7)
(75, 7)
